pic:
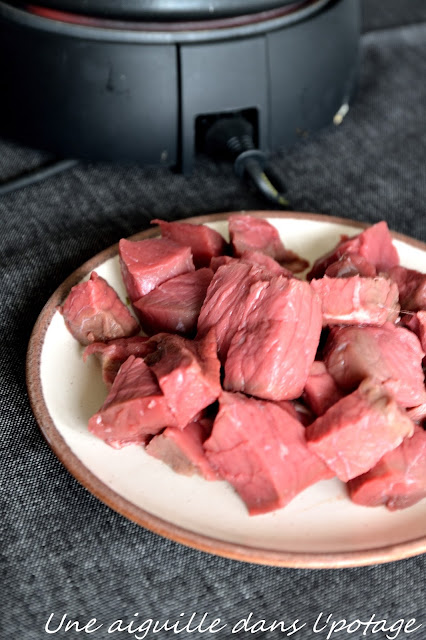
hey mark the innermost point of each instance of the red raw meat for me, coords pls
(188, 373)
(232, 289)
(358, 430)
(398, 480)
(272, 350)
(249, 233)
(265, 326)
(182, 449)
(174, 305)
(203, 241)
(356, 300)
(255, 258)
(260, 449)
(114, 353)
(417, 414)
(412, 288)
(416, 322)
(147, 263)
(219, 261)
(392, 355)
(297, 410)
(134, 409)
(351, 264)
(94, 312)
(374, 245)
(320, 391)
(273, 324)
(259, 259)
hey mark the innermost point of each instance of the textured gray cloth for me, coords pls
(379, 14)
(62, 551)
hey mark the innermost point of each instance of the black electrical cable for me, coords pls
(232, 138)
(36, 176)
(229, 138)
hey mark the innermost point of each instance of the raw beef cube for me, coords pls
(255, 258)
(264, 261)
(398, 480)
(188, 372)
(374, 245)
(94, 312)
(321, 391)
(260, 449)
(417, 414)
(392, 355)
(416, 322)
(297, 410)
(203, 241)
(234, 288)
(182, 449)
(174, 305)
(358, 430)
(351, 265)
(250, 233)
(134, 409)
(114, 353)
(272, 351)
(355, 300)
(219, 261)
(412, 288)
(147, 263)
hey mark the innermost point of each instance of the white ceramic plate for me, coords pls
(319, 528)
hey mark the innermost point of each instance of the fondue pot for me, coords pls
(144, 80)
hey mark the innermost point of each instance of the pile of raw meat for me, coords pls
(249, 374)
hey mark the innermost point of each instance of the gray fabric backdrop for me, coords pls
(62, 551)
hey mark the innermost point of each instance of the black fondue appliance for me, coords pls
(144, 80)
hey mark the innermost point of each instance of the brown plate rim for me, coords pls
(321, 560)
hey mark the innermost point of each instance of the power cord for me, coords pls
(229, 137)
(36, 176)
(232, 138)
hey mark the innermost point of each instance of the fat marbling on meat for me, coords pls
(357, 300)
